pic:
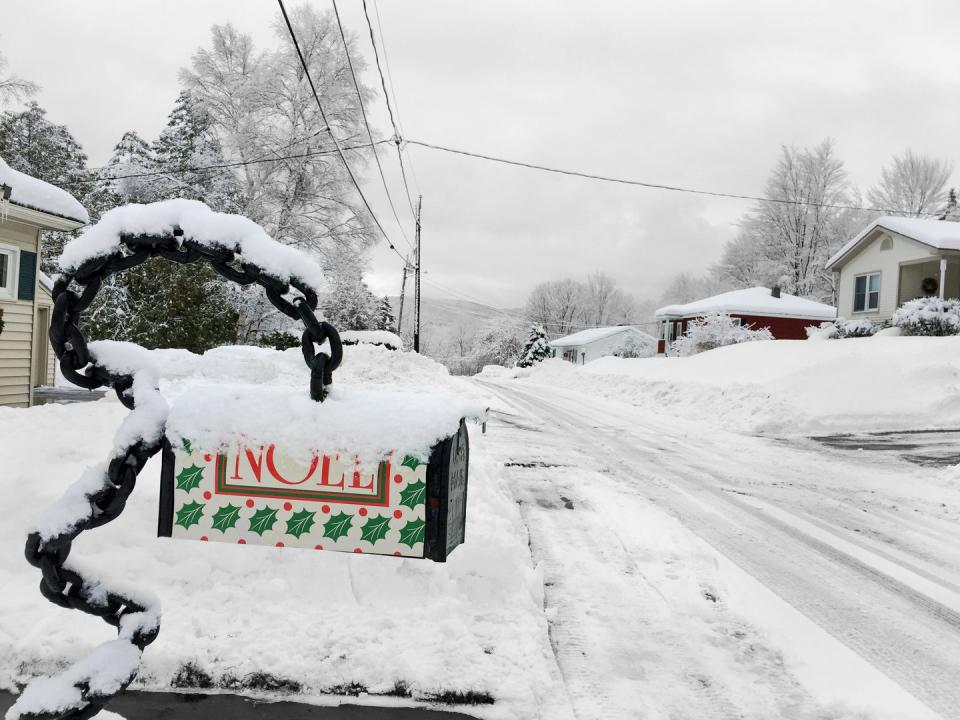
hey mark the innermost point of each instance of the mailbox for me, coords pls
(328, 500)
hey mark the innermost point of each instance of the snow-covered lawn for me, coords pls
(260, 618)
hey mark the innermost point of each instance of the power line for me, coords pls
(323, 115)
(639, 183)
(363, 113)
(386, 96)
(255, 161)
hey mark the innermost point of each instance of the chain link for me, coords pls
(64, 586)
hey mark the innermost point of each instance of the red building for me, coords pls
(786, 316)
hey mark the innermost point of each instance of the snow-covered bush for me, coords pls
(928, 316)
(713, 331)
(536, 349)
(638, 346)
(856, 328)
(823, 331)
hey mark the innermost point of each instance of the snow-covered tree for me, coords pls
(133, 156)
(34, 145)
(349, 304)
(793, 236)
(911, 185)
(713, 331)
(499, 344)
(13, 88)
(385, 319)
(950, 211)
(557, 305)
(536, 349)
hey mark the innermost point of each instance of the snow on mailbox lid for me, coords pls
(251, 464)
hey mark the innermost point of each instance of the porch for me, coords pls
(936, 277)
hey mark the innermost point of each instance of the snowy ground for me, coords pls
(625, 557)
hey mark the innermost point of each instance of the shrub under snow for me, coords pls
(856, 328)
(713, 331)
(928, 316)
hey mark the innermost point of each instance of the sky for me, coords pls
(691, 93)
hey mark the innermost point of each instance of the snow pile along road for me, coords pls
(260, 619)
(786, 386)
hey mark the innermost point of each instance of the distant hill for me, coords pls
(444, 319)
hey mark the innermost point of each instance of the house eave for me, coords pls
(40, 219)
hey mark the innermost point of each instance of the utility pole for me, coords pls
(403, 292)
(416, 269)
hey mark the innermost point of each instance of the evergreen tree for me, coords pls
(537, 349)
(159, 303)
(32, 144)
(385, 318)
(951, 211)
(349, 305)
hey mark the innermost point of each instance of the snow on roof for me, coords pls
(200, 224)
(585, 337)
(939, 234)
(752, 301)
(36, 194)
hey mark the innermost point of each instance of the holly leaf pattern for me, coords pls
(413, 494)
(375, 529)
(226, 517)
(411, 462)
(412, 532)
(300, 523)
(187, 447)
(190, 514)
(263, 520)
(337, 526)
(189, 478)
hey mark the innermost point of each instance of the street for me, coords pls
(830, 533)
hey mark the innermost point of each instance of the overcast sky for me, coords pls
(698, 94)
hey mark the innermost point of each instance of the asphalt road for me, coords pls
(172, 706)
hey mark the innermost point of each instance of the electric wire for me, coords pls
(386, 97)
(323, 115)
(640, 183)
(363, 113)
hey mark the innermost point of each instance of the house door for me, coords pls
(40, 341)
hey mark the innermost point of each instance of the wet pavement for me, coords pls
(174, 706)
(928, 448)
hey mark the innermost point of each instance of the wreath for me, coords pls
(930, 286)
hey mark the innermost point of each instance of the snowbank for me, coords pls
(200, 224)
(255, 618)
(787, 386)
(371, 337)
(39, 195)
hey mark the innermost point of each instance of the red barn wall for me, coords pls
(780, 327)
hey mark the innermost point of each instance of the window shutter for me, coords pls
(27, 285)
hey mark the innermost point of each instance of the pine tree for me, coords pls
(537, 349)
(951, 211)
(32, 144)
(385, 318)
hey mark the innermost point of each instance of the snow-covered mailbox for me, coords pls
(258, 451)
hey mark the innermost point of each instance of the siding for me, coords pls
(872, 259)
(16, 341)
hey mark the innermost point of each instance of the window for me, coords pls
(866, 292)
(8, 272)
(886, 243)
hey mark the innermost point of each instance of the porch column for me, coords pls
(943, 276)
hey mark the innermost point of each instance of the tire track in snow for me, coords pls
(906, 635)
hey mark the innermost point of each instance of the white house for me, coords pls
(893, 260)
(27, 207)
(587, 345)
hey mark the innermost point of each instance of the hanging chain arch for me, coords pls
(62, 583)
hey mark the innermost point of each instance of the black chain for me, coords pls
(64, 586)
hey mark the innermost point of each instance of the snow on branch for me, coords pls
(713, 331)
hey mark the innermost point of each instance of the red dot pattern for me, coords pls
(398, 478)
(249, 503)
(325, 508)
(398, 514)
(318, 547)
(207, 457)
(280, 544)
(207, 495)
(241, 541)
(204, 538)
(362, 512)
(288, 507)
(357, 550)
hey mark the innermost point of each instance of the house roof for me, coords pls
(29, 192)
(752, 301)
(585, 337)
(939, 234)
